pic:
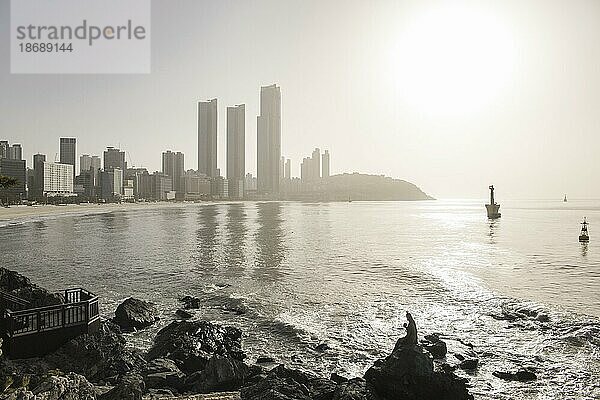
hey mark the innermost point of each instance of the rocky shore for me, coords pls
(194, 359)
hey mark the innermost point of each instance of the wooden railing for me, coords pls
(80, 307)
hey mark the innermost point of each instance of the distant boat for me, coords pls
(584, 236)
(493, 207)
(565, 199)
(349, 199)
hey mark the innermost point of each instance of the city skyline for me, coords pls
(343, 91)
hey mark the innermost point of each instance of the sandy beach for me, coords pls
(26, 213)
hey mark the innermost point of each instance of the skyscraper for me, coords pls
(173, 166)
(68, 149)
(316, 164)
(288, 169)
(325, 164)
(114, 158)
(236, 149)
(87, 163)
(207, 137)
(15, 152)
(269, 139)
(37, 187)
(4, 149)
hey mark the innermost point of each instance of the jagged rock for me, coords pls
(131, 387)
(68, 387)
(432, 338)
(265, 360)
(11, 280)
(297, 359)
(159, 394)
(275, 388)
(191, 344)
(353, 389)
(286, 384)
(21, 286)
(338, 378)
(134, 314)
(190, 302)
(38, 297)
(437, 350)
(160, 365)
(101, 356)
(219, 375)
(520, 376)
(183, 314)
(322, 347)
(162, 373)
(18, 394)
(165, 380)
(408, 373)
(435, 346)
(469, 364)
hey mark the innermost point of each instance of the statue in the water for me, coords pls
(411, 333)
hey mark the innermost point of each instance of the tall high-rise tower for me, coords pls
(325, 164)
(173, 166)
(269, 139)
(114, 158)
(236, 149)
(68, 150)
(288, 169)
(207, 137)
(316, 164)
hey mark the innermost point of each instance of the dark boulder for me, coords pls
(38, 297)
(130, 387)
(190, 302)
(20, 286)
(134, 314)
(183, 314)
(101, 356)
(435, 346)
(520, 376)
(192, 343)
(437, 350)
(265, 360)
(11, 280)
(160, 365)
(408, 374)
(322, 347)
(221, 374)
(68, 387)
(338, 378)
(469, 364)
(283, 383)
(353, 389)
(275, 388)
(162, 373)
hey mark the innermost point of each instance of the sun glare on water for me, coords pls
(453, 60)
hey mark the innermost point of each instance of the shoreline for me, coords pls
(15, 214)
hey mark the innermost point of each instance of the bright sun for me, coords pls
(453, 60)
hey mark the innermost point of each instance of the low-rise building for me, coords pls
(196, 186)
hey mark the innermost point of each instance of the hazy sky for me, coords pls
(452, 96)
